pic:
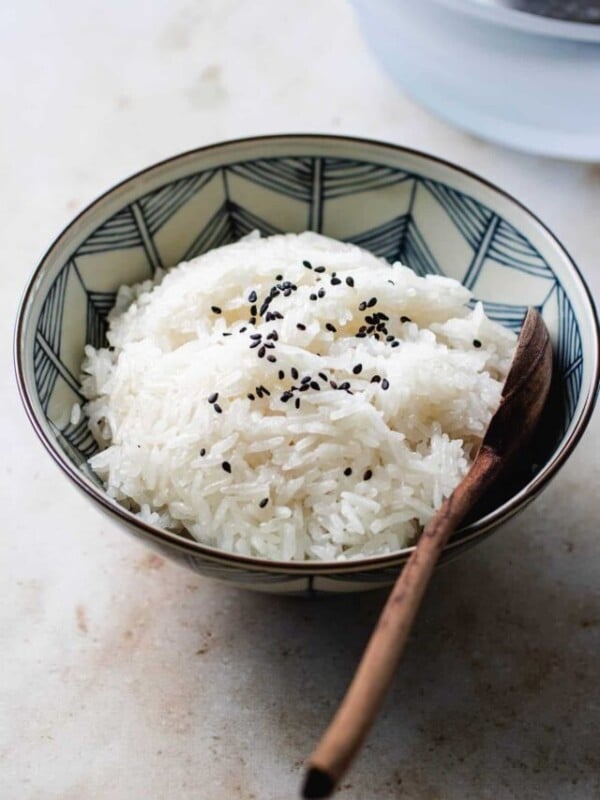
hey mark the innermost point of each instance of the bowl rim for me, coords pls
(192, 547)
(527, 21)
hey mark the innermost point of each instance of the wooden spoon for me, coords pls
(523, 398)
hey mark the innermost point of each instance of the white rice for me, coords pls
(407, 444)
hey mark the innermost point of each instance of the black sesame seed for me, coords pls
(405, 319)
(376, 379)
(263, 502)
(306, 379)
(215, 309)
(203, 451)
(335, 281)
(392, 282)
(287, 292)
(256, 336)
(269, 316)
(371, 320)
(344, 386)
(307, 264)
(305, 387)
(348, 472)
(218, 408)
(295, 373)
(396, 343)
(250, 396)
(362, 306)
(361, 335)
(255, 343)
(333, 384)
(377, 336)
(331, 327)
(312, 297)
(321, 292)
(213, 397)
(297, 402)
(252, 297)
(385, 384)
(390, 338)
(273, 335)
(226, 466)
(281, 374)
(265, 390)
(242, 329)
(368, 475)
(300, 326)
(314, 385)
(357, 369)
(350, 281)
(362, 329)
(278, 277)
(262, 352)
(226, 333)
(252, 311)
(285, 397)
(476, 343)
(319, 269)
(272, 359)
(323, 376)
(372, 302)
(381, 315)
(252, 320)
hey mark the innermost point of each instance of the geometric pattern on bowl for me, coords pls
(418, 222)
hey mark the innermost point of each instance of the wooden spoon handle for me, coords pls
(366, 693)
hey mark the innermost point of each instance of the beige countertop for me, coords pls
(125, 677)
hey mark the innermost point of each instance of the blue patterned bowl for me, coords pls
(397, 203)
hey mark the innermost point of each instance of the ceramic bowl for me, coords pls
(520, 79)
(398, 203)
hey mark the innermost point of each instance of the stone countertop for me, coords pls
(123, 676)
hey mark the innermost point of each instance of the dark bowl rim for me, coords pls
(193, 548)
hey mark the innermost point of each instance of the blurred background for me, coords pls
(118, 684)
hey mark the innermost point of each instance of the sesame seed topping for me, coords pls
(368, 475)
(362, 306)
(273, 335)
(476, 343)
(357, 369)
(250, 396)
(360, 335)
(242, 329)
(263, 502)
(255, 343)
(322, 376)
(350, 281)
(335, 281)
(319, 269)
(313, 297)
(307, 264)
(396, 343)
(252, 297)
(372, 302)
(297, 402)
(262, 352)
(344, 386)
(218, 408)
(314, 385)
(213, 397)
(226, 466)
(203, 451)
(376, 379)
(333, 384)
(256, 336)
(405, 319)
(272, 359)
(281, 374)
(278, 277)
(321, 292)
(252, 320)
(304, 388)
(306, 379)
(348, 472)
(385, 384)
(253, 311)
(300, 326)
(331, 327)
(295, 373)
(265, 390)
(285, 397)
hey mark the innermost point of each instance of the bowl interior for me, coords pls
(398, 204)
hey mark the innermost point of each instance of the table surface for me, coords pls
(123, 676)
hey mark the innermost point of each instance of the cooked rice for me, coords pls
(334, 434)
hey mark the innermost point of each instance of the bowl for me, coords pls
(396, 202)
(521, 79)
